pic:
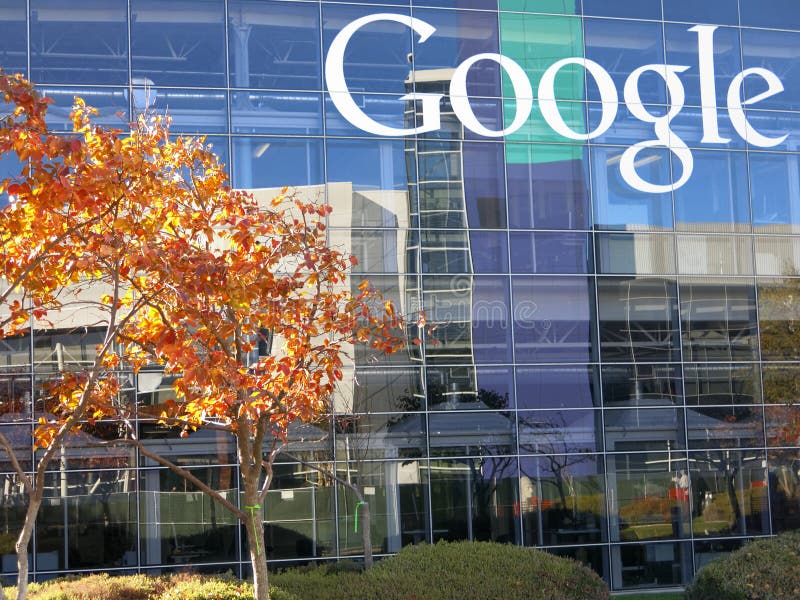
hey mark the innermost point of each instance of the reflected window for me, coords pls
(262, 162)
(772, 179)
(13, 32)
(722, 384)
(776, 51)
(274, 45)
(180, 44)
(635, 253)
(545, 252)
(557, 387)
(779, 319)
(78, 45)
(638, 320)
(642, 385)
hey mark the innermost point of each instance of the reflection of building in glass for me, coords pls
(617, 374)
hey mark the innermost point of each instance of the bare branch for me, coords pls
(15, 463)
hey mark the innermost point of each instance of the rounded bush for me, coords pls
(762, 570)
(454, 571)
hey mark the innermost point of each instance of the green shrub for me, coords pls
(454, 571)
(762, 570)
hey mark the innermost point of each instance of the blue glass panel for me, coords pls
(477, 4)
(773, 189)
(641, 9)
(112, 104)
(547, 186)
(491, 330)
(275, 162)
(780, 14)
(557, 387)
(192, 111)
(715, 12)
(623, 46)
(775, 125)
(560, 432)
(274, 45)
(688, 126)
(376, 59)
(495, 387)
(85, 42)
(682, 50)
(459, 35)
(546, 252)
(385, 109)
(484, 188)
(716, 193)
(552, 319)
(617, 204)
(288, 113)
(777, 51)
(14, 36)
(368, 164)
(489, 251)
(180, 44)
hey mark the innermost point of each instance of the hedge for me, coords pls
(766, 569)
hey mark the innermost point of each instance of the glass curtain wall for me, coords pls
(613, 375)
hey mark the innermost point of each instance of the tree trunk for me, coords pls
(366, 533)
(255, 543)
(34, 502)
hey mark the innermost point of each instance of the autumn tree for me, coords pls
(82, 214)
(231, 274)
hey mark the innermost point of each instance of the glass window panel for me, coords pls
(85, 44)
(777, 126)
(651, 499)
(716, 12)
(274, 45)
(625, 128)
(548, 186)
(642, 385)
(715, 255)
(180, 524)
(557, 387)
(782, 426)
(618, 205)
(777, 256)
(491, 322)
(376, 58)
(14, 33)
(484, 187)
(20, 438)
(779, 319)
(283, 113)
(730, 492)
(623, 46)
(545, 252)
(725, 427)
(648, 565)
(646, 9)
(594, 557)
(371, 166)
(780, 14)
(475, 499)
(718, 319)
(563, 499)
(567, 7)
(707, 552)
(192, 111)
(643, 429)
(383, 108)
(111, 103)
(15, 394)
(485, 433)
(552, 319)
(784, 490)
(300, 520)
(459, 35)
(715, 196)
(777, 51)
(682, 50)
(488, 251)
(468, 388)
(773, 177)
(375, 390)
(687, 125)
(781, 383)
(180, 44)
(546, 432)
(635, 253)
(638, 320)
(263, 162)
(724, 384)
(445, 251)
(377, 250)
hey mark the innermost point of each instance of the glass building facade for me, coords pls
(615, 366)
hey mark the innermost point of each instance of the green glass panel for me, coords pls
(557, 7)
